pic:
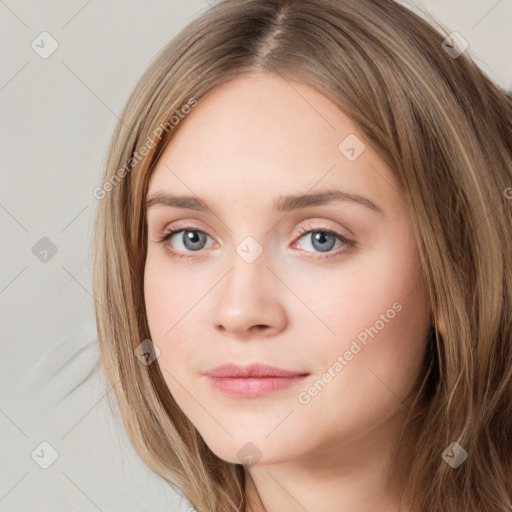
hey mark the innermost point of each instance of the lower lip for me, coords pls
(254, 386)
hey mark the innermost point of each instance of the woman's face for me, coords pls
(264, 285)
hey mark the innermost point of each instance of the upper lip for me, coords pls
(252, 370)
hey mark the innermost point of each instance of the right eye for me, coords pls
(192, 240)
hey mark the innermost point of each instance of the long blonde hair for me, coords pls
(444, 129)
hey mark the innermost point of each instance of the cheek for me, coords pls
(168, 294)
(379, 288)
(164, 309)
(382, 325)
(174, 297)
(377, 313)
(370, 366)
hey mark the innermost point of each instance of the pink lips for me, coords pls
(253, 380)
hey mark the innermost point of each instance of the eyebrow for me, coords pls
(282, 204)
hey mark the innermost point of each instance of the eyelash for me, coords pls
(304, 230)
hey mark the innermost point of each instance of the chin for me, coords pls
(251, 450)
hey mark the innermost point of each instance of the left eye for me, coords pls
(323, 240)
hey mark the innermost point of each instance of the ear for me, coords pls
(439, 323)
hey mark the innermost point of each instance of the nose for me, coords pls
(250, 300)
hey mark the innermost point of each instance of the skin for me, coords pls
(245, 144)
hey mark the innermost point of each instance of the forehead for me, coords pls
(263, 135)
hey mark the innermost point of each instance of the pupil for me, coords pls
(192, 240)
(321, 237)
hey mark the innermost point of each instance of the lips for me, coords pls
(251, 371)
(254, 380)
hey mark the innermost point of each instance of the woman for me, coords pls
(302, 263)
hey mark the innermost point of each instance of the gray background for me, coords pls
(57, 116)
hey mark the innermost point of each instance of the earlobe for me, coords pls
(437, 324)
